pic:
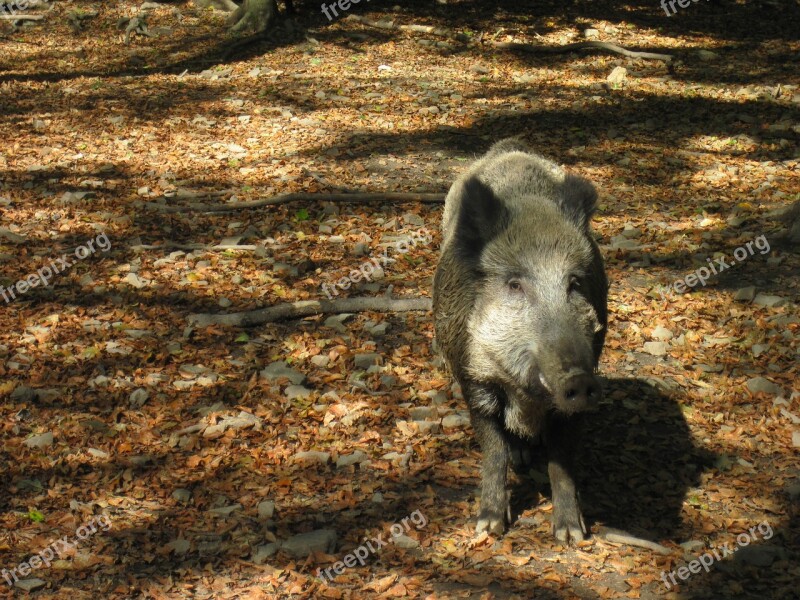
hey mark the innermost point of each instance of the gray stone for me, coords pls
(30, 585)
(403, 541)
(759, 384)
(745, 294)
(350, 459)
(265, 551)
(591, 33)
(303, 544)
(769, 301)
(225, 511)
(420, 413)
(320, 360)
(427, 426)
(297, 391)
(182, 495)
(617, 76)
(365, 361)
(655, 348)
(693, 546)
(336, 322)
(266, 509)
(414, 219)
(138, 397)
(379, 330)
(280, 369)
(662, 333)
(377, 498)
(23, 393)
(707, 55)
(313, 456)
(759, 349)
(40, 441)
(455, 421)
(631, 232)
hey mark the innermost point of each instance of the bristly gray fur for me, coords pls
(517, 221)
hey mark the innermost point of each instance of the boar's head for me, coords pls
(539, 314)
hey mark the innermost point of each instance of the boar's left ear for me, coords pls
(481, 217)
(578, 200)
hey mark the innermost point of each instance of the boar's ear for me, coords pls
(578, 200)
(481, 217)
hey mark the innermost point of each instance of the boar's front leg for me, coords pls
(495, 508)
(561, 438)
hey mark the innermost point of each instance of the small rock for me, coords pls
(379, 330)
(455, 421)
(617, 76)
(707, 55)
(403, 541)
(138, 397)
(631, 232)
(97, 453)
(759, 384)
(377, 498)
(263, 552)
(297, 391)
(224, 302)
(40, 441)
(302, 545)
(182, 495)
(320, 360)
(420, 413)
(414, 219)
(179, 546)
(266, 509)
(361, 249)
(280, 369)
(769, 301)
(336, 322)
(591, 33)
(356, 457)
(693, 546)
(30, 585)
(224, 511)
(23, 393)
(313, 456)
(655, 348)
(745, 294)
(662, 333)
(796, 439)
(759, 349)
(479, 69)
(427, 426)
(365, 361)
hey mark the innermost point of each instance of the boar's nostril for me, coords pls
(579, 388)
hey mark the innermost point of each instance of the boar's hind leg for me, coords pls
(495, 509)
(561, 438)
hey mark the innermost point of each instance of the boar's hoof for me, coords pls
(490, 522)
(568, 525)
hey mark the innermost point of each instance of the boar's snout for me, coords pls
(581, 391)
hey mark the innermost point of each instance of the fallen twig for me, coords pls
(21, 17)
(607, 46)
(303, 197)
(617, 536)
(306, 308)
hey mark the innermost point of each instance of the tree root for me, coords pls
(366, 197)
(305, 308)
(590, 45)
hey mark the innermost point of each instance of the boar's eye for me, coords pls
(574, 284)
(515, 285)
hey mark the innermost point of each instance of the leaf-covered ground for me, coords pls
(204, 460)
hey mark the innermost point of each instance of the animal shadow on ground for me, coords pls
(636, 465)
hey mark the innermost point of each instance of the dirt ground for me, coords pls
(222, 462)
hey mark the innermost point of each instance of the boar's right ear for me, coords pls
(481, 217)
(578, 200)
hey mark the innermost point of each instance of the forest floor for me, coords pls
(189, 462)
